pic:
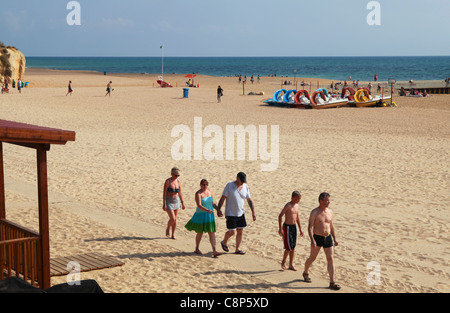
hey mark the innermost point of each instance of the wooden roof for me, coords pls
(14, 132)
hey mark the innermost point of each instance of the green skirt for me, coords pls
(202, 222)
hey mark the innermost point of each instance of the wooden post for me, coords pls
(2, 185)
(43, 215)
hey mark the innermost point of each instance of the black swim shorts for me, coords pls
(321, 241)
(289, 237)
(234, 222)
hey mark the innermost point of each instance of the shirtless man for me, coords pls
(288, 230)
(321, 233)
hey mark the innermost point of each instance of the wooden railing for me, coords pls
(19, 253)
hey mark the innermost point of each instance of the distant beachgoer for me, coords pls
(6, 86)
(321, 232)
(375, 77)
(219, 94)
(235, 193)
(108, 89)
(19, 85)
(203, 220)
(69, 87)
(402, 91)
(289, 229)
(172, 201)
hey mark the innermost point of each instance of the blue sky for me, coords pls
(227, 28)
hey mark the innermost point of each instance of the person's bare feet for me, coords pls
(197, 251)
(291, 267)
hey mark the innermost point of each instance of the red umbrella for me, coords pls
(190, 76)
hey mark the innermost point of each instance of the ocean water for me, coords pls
(336, 68)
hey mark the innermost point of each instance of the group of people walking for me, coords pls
(320, 225)
(203, 220)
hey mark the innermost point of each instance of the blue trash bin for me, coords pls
(185, 92)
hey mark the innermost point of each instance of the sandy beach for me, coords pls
(386, 169)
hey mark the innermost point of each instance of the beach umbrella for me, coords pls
(191, 76)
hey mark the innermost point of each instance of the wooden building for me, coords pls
(23, 252)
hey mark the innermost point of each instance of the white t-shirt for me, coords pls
(235, 199)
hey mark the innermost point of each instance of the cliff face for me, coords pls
(12, 64)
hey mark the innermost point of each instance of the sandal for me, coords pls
(240, 252)
(334, 286)
(224, 247)
(307, 278)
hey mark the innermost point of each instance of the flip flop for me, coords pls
(224, 247)
(334, 286)
(240, 252)
(306, 278)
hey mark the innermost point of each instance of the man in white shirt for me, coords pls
(235, 193)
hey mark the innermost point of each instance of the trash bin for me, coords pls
(185, 92)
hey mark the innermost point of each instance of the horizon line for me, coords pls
(304, 56)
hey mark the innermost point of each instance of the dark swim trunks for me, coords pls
(234, 222)
(289, 236)
(321, 241)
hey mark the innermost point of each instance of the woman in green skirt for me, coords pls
(203, 220)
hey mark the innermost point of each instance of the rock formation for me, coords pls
(12, 64)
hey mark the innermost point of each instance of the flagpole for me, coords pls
(162, 62)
